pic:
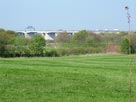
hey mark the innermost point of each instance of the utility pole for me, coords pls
(130, 53)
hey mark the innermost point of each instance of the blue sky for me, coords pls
(66, 14)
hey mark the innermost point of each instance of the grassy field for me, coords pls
(92, 78)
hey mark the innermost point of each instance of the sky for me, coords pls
(66, 14)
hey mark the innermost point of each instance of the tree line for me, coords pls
(82, 42)
(14, 45)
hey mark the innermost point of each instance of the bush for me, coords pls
(50, 52)
(78, 50)
(125, 46)
(36, 45)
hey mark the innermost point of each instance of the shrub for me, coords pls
(36, 45)
(125, 46)
(78, 50)
(50, 52)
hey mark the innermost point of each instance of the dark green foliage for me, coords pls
(125, 46)
(50, 52)
(129, 45)
(6, 40)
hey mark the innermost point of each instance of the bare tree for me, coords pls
(63, 37)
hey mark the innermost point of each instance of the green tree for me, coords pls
(36, 45)
(87, 38)
(2, 30)
(3, 43)
(6, 40)
(20, 44)
(80, 36)
(125, 46)
(133, 42)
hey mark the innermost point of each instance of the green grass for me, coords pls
(89, 78)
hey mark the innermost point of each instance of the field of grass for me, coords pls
(89, 78)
